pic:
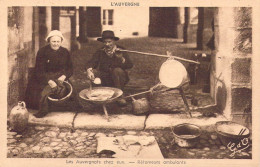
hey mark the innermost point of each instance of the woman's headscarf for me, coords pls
(54, 33)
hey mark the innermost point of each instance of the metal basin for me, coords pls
(86, 94)
(228, 132)
(186, 135)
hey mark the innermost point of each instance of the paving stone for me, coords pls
(62, 135)
(214, 147)
(218, 142)
(70, 150)
(51, 134)
(191, 153)
(10, 141)
(57, 148)
(46, 139)
(40, 128)
(41, 135)
(72, 156)
(63, 150)
(75, 135)
(222, 147)
(12, 133)
(144, 133)
(73, 142)
(131, 132)
(213, 137)
(19, 136)
(80, 144)
(46, 149)
(65, 144)
(245, 154)
(204, 136)
(70, 137)
(78, 131)
(211, 142)
(56, 129)
(202, 141)
(36, 148)
(119, 132)
(88, 143)
(84, 134)
(206, 149)
(15, 152)
(90, 138)
(80, 148)
(53, 144)
(57, 140)
(92, 134)
(100, 135)
(81, 139)
(163, 140)
(111, 135)
(23, 145)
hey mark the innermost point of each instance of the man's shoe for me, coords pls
(121, 102)
(40, 114)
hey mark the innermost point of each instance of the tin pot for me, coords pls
(186, 135)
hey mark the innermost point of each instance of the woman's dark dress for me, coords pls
(50, 65)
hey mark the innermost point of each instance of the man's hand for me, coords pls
(52, 83)
(62, 78)
(90, 74)
(120, 56)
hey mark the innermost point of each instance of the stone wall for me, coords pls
(231, 73)
(20, 50)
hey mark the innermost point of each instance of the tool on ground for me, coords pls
(160, 55)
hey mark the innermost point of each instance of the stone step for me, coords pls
(161, 121)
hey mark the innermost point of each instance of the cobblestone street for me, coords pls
(53, 142)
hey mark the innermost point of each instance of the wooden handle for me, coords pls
(154, 54)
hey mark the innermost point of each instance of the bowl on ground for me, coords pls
(186, 135)
(228, 131)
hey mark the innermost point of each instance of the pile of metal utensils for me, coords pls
(172, 75)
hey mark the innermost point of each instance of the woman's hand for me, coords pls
(90, 74)
(62, 78)
(52, 83)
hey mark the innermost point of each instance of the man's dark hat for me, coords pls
(108, 35)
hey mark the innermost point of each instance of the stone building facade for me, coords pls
(231, 60)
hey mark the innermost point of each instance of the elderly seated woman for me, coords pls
(53, 66)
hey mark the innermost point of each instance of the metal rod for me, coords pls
(154, 54)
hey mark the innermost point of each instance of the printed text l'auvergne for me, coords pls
(125, 4)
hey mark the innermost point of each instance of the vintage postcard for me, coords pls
(129, 83)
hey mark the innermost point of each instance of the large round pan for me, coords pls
(86, 94)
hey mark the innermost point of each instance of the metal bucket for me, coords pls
(186, 135)
(172, 74)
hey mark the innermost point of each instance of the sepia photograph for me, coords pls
(127, 84)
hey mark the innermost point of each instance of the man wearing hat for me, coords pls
(109, 64)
